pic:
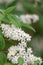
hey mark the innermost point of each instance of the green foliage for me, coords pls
(2, 6)
(6, 17)
(31, 8)
(8, 63)
(20, 61)
(9, 9)
(16, 21)
(6, 20)
(27, 26)
(13, 20)
(2, 42)
(36, 62)
(1, 16)
(13, 3)
(17, 12)
(2, 58)
(39, 25)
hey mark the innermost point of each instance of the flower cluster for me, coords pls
(22, 51)
(28, 18)
(14, 33)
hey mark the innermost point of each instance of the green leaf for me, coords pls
(1, 17)
(8, 63)
(14, 20)
(2, 6)
(36, 62)
(30, 7)
(9, 9)
(11, 19)
(2, 58)
(17, 22)
(6, 20)
(2, 42)
(13, 3)
(27, 26)
(20, 61)
(39, 25)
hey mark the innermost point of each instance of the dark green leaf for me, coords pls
(39, 25)
(13, 3)
(30, 7)
(2, 42)
(2, 58)
(1, 17)
(27, 26)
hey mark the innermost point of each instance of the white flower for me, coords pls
(35, 18)
(33, 58)
(22, 44)
(25, 19)
(14, 33)
(14, 60)
(26, 54)
(9, 56)
(29, 50)
(28, 18)
(21, 50)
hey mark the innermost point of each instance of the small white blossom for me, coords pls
(35, 18)
(28, 18)
(26, 54)
(29, 51)
(21, 50)
(25, 19)
(14, 33)
(14, 60)
(33, 58)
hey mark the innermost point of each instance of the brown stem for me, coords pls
(4, 51)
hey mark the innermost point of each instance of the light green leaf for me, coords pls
(20, 61)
